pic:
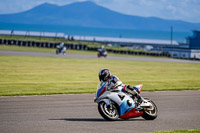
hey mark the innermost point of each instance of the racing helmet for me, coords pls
(104, 75)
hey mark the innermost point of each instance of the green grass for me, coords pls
(23, 75)
(181, 131)
(46, 50)
(23, 48)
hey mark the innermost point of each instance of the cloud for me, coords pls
(172, 9)
(187, 10)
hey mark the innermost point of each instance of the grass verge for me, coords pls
(24, 75)
(181, 131)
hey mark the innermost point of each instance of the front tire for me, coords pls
(57, 51)
(108, 112)
(152, 113)
(98, 55)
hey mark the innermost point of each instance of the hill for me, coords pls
(88, 14)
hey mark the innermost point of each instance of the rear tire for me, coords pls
(150, 114)
(109, 113)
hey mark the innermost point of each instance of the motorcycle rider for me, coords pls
(102, 49)
(114, 82)
(61, 48)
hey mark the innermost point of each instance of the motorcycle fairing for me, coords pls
(101, 90)
(124, 107)
(119, 98)
(131, 113)
(138, 88)
(124, 102)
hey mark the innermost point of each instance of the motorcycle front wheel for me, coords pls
(57, 51)
(98, 55)
(150, 113)
(108, 112)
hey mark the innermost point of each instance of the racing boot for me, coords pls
(134, 93)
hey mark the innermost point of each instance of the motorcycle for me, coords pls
(60, 50)
(102, 53)
(116, 104)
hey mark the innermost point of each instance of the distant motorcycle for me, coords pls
(102, 53)
(60, 50)
(115, 104)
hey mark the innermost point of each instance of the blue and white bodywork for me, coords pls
(124, 101)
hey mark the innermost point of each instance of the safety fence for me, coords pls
(41, 44)
(74, 46)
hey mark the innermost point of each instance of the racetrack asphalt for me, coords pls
(148, 58)
(77, 113)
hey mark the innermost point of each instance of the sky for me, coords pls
(186, 10)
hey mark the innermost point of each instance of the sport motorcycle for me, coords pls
(61, 50)
(102, 53)
(117, 104)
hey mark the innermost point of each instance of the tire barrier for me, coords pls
(74, 46)
(41, 44)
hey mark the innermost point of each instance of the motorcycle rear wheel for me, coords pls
(150, 114)
(108, 112)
